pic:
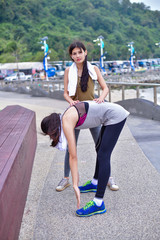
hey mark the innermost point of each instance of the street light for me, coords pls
(46, 52)
(131, 49)
(101, 44)
(157, 44)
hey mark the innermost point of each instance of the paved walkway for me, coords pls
(133, 212)
(147, 135)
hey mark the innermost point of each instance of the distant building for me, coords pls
(26, 67)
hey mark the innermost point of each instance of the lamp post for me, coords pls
(101, 44)
(131, 49)
(157, 44)
(15, 54)
(45, 48)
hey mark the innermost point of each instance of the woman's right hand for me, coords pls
(77, 192)
(73, 102)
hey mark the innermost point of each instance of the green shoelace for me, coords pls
(88, 182)
(88, 205)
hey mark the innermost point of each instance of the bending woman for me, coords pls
(81, 116)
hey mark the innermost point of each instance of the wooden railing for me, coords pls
(124, 85)
(57, 84)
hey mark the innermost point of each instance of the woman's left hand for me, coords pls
(98, 100)
(77, 192)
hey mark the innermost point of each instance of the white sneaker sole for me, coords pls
(113, 189)
(61, 189)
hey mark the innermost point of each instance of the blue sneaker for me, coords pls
(88, 187)
(91, 209)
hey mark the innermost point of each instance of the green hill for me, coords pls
(24, 22)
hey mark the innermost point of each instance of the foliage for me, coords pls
(24, 22)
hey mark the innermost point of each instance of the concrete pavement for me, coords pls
(133, 212)
(147, 134)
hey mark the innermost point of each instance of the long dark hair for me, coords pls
(51, 125)
(85, 73)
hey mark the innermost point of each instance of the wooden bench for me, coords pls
(18, 140)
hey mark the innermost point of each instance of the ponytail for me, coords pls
(84, 77)
(51, 125)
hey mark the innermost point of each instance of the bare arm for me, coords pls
(103, 85)
(66, 93)
(69, 121)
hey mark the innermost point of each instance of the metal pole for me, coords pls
(131, 55)
(123, 95)
(101, 51)
(137, 88)
(109, 86)
(155, 95)
(46, 63)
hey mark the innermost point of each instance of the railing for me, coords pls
(137, 85)
(51, 86)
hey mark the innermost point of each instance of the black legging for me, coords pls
(105, 145)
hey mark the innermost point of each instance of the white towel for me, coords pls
(62, 144)
(73, 77)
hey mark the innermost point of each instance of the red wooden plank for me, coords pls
(10, 142)
(9, 123)
(7, 114)
(15, 178)
(15, 138)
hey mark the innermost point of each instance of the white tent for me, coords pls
(22, 66)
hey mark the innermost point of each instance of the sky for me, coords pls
(153, 4)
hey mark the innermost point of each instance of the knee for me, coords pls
(103, 155)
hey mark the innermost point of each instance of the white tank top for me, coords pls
(103, 114)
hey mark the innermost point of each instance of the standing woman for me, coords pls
(79, 86)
